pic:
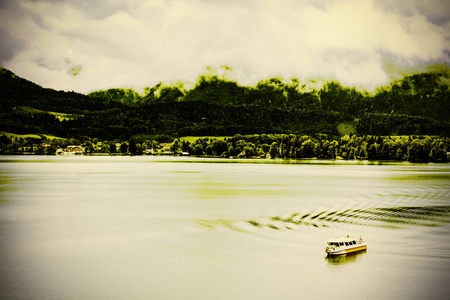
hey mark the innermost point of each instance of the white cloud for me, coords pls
(139, 43)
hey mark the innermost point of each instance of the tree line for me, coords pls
(367, 147)
(349, 147)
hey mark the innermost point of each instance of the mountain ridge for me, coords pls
(417, 104)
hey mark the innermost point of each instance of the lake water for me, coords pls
(191, 228)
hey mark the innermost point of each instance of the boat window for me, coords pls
(341, 244)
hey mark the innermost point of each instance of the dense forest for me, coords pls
(415, 105)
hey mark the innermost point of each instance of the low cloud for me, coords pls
(140, 43)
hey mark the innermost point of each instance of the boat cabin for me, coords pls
(348, 241)
(337, 244)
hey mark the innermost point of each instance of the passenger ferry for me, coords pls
(345, 245)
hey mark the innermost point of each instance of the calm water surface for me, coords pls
(190, 228)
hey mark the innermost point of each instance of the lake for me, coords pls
(193, 228)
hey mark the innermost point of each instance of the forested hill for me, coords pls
(415, 105)
(424, 94)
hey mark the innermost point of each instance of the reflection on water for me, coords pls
(346, 258)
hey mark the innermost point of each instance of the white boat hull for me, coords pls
(345, 250)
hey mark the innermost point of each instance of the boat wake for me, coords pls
(389, 217)
(393, 217)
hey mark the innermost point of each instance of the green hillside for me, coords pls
(415, 105)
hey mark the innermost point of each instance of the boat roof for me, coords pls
(343, 239)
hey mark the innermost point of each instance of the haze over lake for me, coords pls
(192, 228)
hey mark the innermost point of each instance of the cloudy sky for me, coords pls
(86, 45)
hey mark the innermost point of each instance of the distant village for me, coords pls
(98, 148)
(81, 150)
